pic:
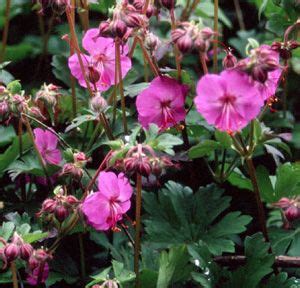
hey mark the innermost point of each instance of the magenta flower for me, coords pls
(228, 101)
(46, 143)
(162, 103)
(34, 275)
(104, 208)
(100, 63)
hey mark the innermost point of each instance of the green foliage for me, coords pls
(178, 216)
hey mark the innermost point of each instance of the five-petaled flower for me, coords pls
(104, 208)
(228, 101)
(99, 65)
(46, 143)
(162, 103)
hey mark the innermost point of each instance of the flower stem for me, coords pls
(215, 44)
(84, 15)
(72, 78)
(239, 14)
(94, 136)
(5, 30)
(120, 81)
(203, 62)
(176, 51)
(13, 270)
(260, 208)
(137, 241)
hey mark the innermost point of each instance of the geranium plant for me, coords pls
(150, 143)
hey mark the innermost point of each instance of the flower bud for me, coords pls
(4, 108)
(169, 4)
(134, 20)
(104, 29)
(98, 104)
(292, 213)
(150, 11)
(207, 33)
(11, 252)
(201, 44)
(72, 170)
(118, 28)
(49, 205)
(259, 74)
(229, 61)
(72, 200)
(93, 75)
(184, 43)
(61, 213)
(2, 89)
(177, 34)
(25, 251)
(151, 41)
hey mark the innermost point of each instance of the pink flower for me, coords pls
(46, 143)
(104, 208)
(33, 277)
(100, 63)
(162, 103)
(228, 101)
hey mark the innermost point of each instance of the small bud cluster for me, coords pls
(290, 207)
(285, 49)
(126, 17)
(58, 208)
(13, 102)
(107, 284)
(75, 169)
(190, 36)
(229, 60)
(16, 248)
(48, 94)
(142, 159)
(262, 60)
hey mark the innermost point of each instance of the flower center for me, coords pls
(228, 99)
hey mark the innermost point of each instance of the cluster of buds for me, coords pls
(75, 169)
(126, 17)
(98, 104)
(190, 36)
(49, 94)
(60, 207)
(261, 61)
(141, 159)
(285, 48)
(13, 102)
(16, 248)
(290, 207)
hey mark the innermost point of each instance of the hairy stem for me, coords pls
(13, 270)
(137, 241)
(239, 14)
(215, 44)
(72, 78)
(260, 207)
(120, 81)
(5, 30)
(203, 62)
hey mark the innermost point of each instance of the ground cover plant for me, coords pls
(150, 143)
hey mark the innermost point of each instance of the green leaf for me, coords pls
(173, 265)
(265, 185)
(223, 138)
(35, 236)
(281, 280)
(203, 149)
(14, 87)
(60, 68)
(237, 178)
(7, 230)
(258, 264)
(177, 216)
(121, 274)
(7, 135)
(262, 8)
(134, 89)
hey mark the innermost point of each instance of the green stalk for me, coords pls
(5, 30)
(215, 45)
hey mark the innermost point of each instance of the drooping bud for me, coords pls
(61, 213)
(169, 4)
(11, 252)
(259, 74)
(184, 43)
(229, 61)
(104, 29)
(25, 251)
(118, 28)
(150, 11)
(72, 200)
(151, 41)
(73, 170)
(4, 108)
(93, 75)
(207, 33)
(49, 205)
(98, 104)
(292, 213)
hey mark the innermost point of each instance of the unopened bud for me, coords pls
(169, 4)
(11, 252)
(72, 200)
(206, 33)
(98, 104)
(4, 108)
(150, 11)
(184, 43)
(61, 213)
(118, 28)
(104, 29)
(151, 41)
(93, 75)
(229, 61)
(292, 213)
(25, 251)
(49, 205)
(259, 74)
